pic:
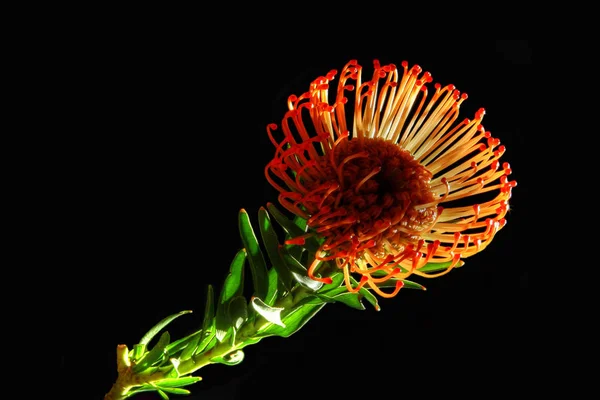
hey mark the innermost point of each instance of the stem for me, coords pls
(297, 294)
(127, 379)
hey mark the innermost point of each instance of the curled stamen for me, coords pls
(311, 272)
(371, 174)
(434, 203)
(376, 289)
(340, 168)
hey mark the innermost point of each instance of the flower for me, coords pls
(387, 176)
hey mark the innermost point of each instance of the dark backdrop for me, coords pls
(171, 144)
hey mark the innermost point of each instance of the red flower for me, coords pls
(388, 175)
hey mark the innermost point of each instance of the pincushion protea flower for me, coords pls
(388, 176)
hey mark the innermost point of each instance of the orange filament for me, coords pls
(377, 177)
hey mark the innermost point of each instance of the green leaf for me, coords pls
(238, 311)
(272, 246)
(189, 343)
(207, 325)
(207, 343)
(138, 351)
(209, 309)
(141, 389)
(293, 264)
(234, 283)
(233, 358)
(350, 299)
(162, 394)
(178, 382)
(300, 223)
(158, 327)
(340, 295)
(293, 321)
(407, 284)
(370, 297)
(292, 229)
(154, 355)
(336, 280)
(233, 286)
(273, 287)
(299, 272)
(183, 344)
(271, 314)
(258, 266)
(148, 371)
(307, 282)
(434, 267)
(173, 390)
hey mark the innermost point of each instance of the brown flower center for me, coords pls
(380, 191)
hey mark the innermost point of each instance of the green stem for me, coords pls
(297, 294)
(127, 379)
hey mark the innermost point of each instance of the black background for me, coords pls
(172, 144)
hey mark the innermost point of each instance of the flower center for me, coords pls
(383, 195)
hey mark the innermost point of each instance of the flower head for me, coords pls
(388, 176)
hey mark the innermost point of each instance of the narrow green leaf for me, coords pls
(307, 282)
(238, 311)
(299, 272)
(273, 287)
(158, 327)
(173, 373)
(141, 389)
(234, 283)
(271, 314)
(222, 324)
(190, 343)
(162, 394)
(434, 267)
(271, 243)
(341, 295)
(207, 325)
(258, 266)
(207, 343)
(233, 358)
(148, 371)
(293, 321)
(178, 382)
(233, 286)
(138, 390)
(209, 309)
(293, 264)
(407, 284)
(350, 299)
(138, 351)
(174, 390)
(292, 229)
(294, 250)
(337, 279)
(183, 343)
(332, 293)
(300, 223)
(155, 354)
